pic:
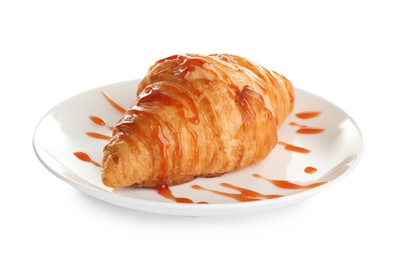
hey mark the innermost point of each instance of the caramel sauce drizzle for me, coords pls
(290, 185)
(86, 157)
(113, 103)
(294, 148)
(213, 115)
(245, 195)
(310, 169)
(171, 96)
(154, 139)
(180, 100)
(303, 129)
(98, 135)
(308, 114)
(101, 122)
(166, 192)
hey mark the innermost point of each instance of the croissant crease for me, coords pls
(196, 116)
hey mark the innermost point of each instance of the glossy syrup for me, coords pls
(100, 121)
(178, 99)
(308, 114)
(294, 148)
(244, 195)
(86, 157)
(285, 184)
(166, 192)
(310, 169)
(98, 135)
(304, 129)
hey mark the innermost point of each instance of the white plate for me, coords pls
(334, 152)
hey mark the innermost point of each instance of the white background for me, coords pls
(344, 51)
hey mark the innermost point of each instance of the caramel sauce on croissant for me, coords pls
(156, 139)
(244, 195)
(179, 99)
(169, 95)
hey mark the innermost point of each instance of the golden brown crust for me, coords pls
(197, 116)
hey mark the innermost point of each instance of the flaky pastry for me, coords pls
(196, 116)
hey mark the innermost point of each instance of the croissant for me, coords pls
(196, 116)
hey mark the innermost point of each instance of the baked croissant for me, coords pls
(196, 116)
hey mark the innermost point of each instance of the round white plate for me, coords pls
(333, 153)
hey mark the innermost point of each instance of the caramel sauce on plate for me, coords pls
(86, 157)
(310, 169)
(98, 135)
(308, 115)
(166, 192)
(100, 121)
(303, 129)
(113, 103)
(245, 195)
(294, 148)
(290, 185)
